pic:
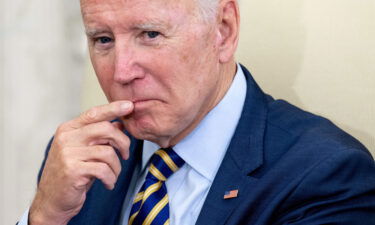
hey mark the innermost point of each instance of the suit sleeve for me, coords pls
(45, 159)
(341, 190)
(25, 217)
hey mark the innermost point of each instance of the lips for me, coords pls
(140, 107)
(141, 101)
(144, 100)
(142, 104)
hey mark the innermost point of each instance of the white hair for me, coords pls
(208, 9)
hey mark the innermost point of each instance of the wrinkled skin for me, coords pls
(162, 69)
(161, 57)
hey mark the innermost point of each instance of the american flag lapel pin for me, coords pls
(231, 194)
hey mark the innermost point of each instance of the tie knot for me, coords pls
(164, 163)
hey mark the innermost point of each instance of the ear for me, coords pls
(229, 22)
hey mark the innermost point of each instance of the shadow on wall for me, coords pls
(315, 56)
(273, 51)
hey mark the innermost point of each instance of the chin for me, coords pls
(144, 129)
(156, 127)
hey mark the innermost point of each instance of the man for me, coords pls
(238, 157)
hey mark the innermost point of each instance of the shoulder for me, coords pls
(311, 132)
(314, 170)
(298, 141)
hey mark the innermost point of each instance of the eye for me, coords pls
(152, 34)
(103, 40)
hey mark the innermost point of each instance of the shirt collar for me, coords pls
(210, 139)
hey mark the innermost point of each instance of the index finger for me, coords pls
(102, 113)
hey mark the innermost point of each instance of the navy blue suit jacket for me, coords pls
(290, 167)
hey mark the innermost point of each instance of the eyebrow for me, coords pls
(149, 26)
(90, 32)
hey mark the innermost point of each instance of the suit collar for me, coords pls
(246, 147)
(244, 156)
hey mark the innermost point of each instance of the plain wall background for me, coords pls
(318, 55)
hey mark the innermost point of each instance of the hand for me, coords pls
(83, 149)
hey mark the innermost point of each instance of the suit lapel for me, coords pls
(244, 156)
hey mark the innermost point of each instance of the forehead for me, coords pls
(137, 8)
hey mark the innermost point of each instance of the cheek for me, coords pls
(104, 72)
(199, 53)
(202, 63)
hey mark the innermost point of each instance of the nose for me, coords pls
(127, 69)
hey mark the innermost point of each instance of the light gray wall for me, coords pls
(42, 58)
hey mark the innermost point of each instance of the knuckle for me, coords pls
(114, 108)
(90, 114)
(80, 182)
(104, 153)
(68, 169)
(125, 144)
(113, 179)
(117, 168)
(105, 148)
(65, 156)
(105, 174)
(59, 141)
(102, 171)
(61, 128)
(126, 141)
(118, 171)
(108, 127)
(109, 153)
(61, 138)
(80, 179)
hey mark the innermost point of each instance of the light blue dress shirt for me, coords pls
(203, 151)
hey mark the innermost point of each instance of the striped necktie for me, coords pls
(150, 205)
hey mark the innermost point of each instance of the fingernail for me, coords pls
(125, 106)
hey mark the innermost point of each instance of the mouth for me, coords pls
(141, 107)
(142, 101)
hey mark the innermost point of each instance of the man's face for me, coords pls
(159, 55)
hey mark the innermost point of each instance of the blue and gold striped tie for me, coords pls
(150, 205)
